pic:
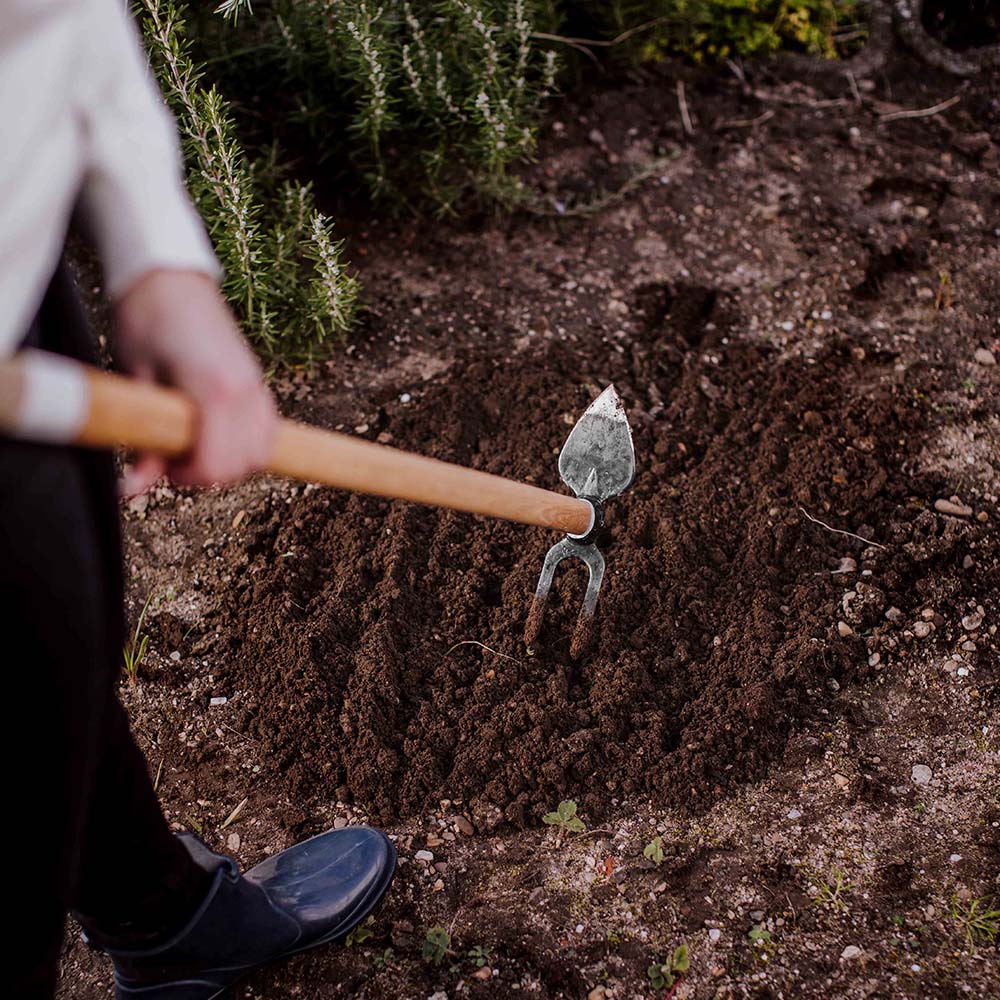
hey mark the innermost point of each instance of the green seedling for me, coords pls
(761, 941)
(380, 961)
(832, 894)
(480, 956)
(135, 649)
(565, 818)
(978, 918)
(653, 851)
(663, 975)
(436, 945)
(360, 933)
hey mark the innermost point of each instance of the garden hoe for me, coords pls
(49, 398)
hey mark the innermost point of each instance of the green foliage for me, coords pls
(759, 936)
(436, 945)
(135, 649)
(480, 956)
(663, 975)
(979, 920)
(424, 99)
(653, 851)
(283, 270)
(832, 892)
(715, 30)
(565, 818)
(360, 933)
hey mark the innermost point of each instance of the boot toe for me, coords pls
(329, 883)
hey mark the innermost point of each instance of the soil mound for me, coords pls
(382, 657)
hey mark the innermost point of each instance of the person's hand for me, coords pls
(174, 327)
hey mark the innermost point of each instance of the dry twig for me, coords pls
(920, 112)
(682, 101)
(838, 531)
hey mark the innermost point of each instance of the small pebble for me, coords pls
(233, 842)
(841, 780)
(714, 934)
(921, 774)
(893, 614)
(852, 951)
(339, 823)
(972, 622)
(955, 858)
(464, 826)
(943, 506)
(922, 629)
(794, 814)
(175, 656)
(844, 629)
(423, 856)
(405, 397)
(985, 357)
(221, 700)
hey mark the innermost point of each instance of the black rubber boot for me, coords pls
(310, 894)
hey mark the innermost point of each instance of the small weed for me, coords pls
(380, 961)
(480, 956)
(436, 945)
(978, 918)
(135, 649)
(565, 818)
(761, 941)
(653, 851)
(360, 933)
(831, 894)
(663, 975)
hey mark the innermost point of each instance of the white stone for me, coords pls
(850, 952)
(921, 774)
(714, 934)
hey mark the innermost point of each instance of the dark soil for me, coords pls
(717, 624)
(798, 309)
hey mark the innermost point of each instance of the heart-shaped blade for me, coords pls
(597, 459)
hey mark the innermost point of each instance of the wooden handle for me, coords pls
(122, 411)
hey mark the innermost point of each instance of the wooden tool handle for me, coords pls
(122, 411)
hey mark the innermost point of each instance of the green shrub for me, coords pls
(283, 270)
(422, 99)
(715, 30)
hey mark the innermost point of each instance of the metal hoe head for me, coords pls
(597, 462)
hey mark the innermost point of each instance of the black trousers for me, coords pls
(89, 835)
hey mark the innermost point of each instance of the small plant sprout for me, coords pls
(360, 933)
(565, 819)
(480, 956)
(761, 942)
(135, 648)
(978, 918)
(436, 945)
(831, 894)
(663, 975)
(653, 851)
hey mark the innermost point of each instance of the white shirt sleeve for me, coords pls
(133, 200)
(81, 121)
